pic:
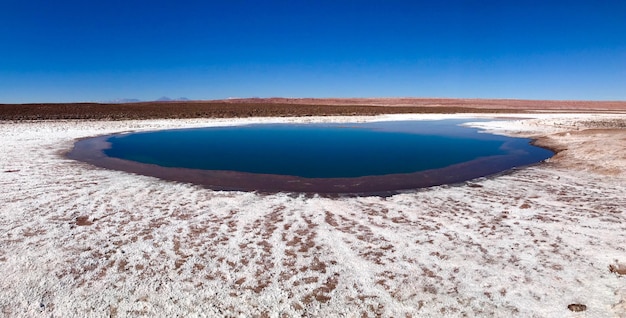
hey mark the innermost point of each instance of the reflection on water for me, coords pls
(343, 150)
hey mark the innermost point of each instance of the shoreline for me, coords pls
(91, 150)
(79, 240)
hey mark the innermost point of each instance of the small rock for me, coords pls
(617, 268)
(577, 307)
(83, 221)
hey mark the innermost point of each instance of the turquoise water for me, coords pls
(323, 150)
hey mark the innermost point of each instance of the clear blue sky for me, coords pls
(67, 51)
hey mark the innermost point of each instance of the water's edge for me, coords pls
(92, 151)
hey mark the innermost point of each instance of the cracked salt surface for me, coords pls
(78, 241)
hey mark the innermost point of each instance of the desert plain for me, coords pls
(547, 240)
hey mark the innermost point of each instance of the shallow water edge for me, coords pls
(92, 151)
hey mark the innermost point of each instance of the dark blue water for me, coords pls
(322, 150)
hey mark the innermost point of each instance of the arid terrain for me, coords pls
(286, 107)
(456, 104)
(539, 241)
(209, 109)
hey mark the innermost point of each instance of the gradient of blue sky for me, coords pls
(66, 51)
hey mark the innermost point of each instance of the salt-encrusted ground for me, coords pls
(78, 241)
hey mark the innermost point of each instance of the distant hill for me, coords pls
(135, 100)
(167, 99)
(441, 103)
(122, 101)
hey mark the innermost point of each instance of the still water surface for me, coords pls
(345, 150)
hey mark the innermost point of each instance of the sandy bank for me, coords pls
(81, 241)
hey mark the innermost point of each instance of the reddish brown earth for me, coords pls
(281, 107)
(443, 103)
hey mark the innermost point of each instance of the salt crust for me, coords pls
(78, 241)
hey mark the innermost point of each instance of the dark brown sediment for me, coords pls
(204, 110)
(284, 107)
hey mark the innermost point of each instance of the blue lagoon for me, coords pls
(322, 158)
